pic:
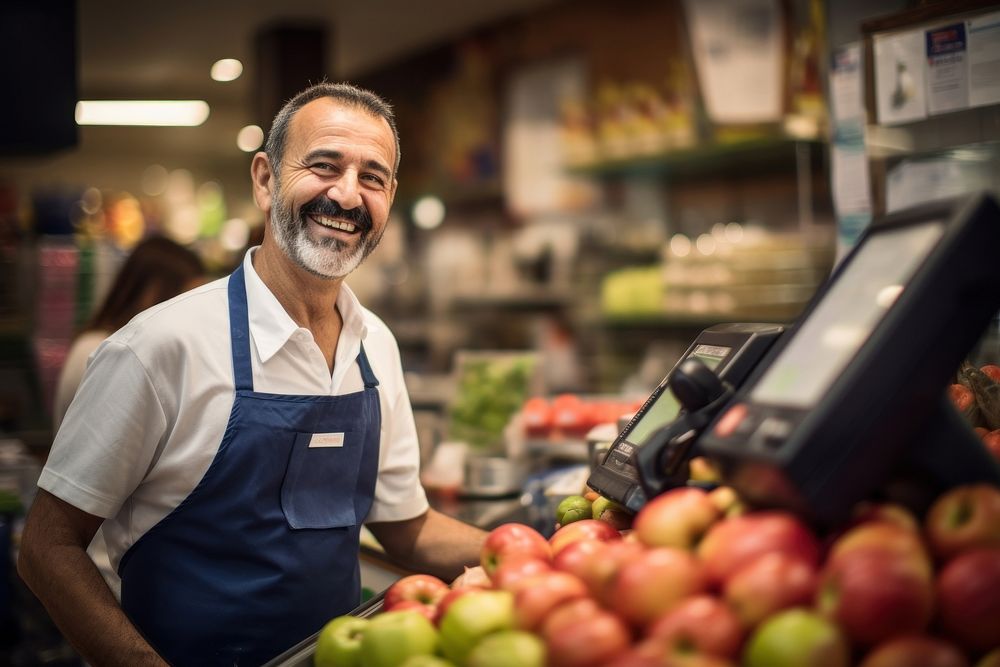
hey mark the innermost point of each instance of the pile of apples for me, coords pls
(699, 583)
(976, 395)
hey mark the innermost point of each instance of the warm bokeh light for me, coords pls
(680, 245)
(234, 234)
(154, 180)
(250, 138)
(428, 212)
(227, 69)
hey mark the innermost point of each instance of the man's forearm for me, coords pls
(434, 543)
(64, 578)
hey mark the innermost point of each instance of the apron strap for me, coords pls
(239, 331)
(367, 375)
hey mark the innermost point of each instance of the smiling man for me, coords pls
(230, 442)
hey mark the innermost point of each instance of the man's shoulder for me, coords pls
(192, 320)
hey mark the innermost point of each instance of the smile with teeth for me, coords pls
(333, 223)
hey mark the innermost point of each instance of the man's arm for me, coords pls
(432, 542)
(53, 562)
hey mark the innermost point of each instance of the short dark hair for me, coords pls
(344, 93)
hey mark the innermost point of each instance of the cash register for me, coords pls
(851, 398)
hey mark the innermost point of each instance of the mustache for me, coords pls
(329, 208)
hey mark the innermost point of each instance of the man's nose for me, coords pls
(346, 191)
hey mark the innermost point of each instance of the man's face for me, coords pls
(330, 207)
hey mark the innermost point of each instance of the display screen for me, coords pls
(848, 314)
(665, 408)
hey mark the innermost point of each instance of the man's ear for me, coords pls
(392, 191)
(262, 180)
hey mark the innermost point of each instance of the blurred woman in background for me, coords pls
(156, 270)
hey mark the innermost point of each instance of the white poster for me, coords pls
(984, 59)
(739, 56)
(899, 77)
(947, 69)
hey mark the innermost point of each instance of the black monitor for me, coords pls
(855, 392)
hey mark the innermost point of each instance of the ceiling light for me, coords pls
(250, 138)
(227, 69)
(186, 113)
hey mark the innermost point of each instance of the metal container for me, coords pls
(492, 476)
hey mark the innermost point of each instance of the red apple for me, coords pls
(654, 582)
(700, 624)
(514, 570)
(873, 595)
(993, 371)
(889, 538)
(449, 598)
(961, 397)
(914, 651)
(768, 584)
(596, 563)
(656, 653)
(582, 634)
(421, 588)
(426, 610)
(537, 596)
(963, 518)
(734, 542)
(537, 416)
(678, 518)
(512, 541)
(869, 511)
(585, 529)
(968, 593)
(991, 439)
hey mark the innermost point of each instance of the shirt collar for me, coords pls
(271, 327)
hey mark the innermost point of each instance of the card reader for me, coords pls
(731, 350)
(855, 392)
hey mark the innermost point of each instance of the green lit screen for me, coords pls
(665, 408)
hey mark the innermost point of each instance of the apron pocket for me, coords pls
(318, 488)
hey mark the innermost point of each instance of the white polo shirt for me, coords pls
(154, 403)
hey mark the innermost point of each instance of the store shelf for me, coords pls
(755, 154)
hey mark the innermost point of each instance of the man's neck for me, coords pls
(309, 300)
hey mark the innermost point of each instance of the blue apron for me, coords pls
(264, 550)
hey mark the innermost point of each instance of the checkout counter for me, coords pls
(847, 404)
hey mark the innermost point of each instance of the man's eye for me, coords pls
(373, 178)
(323, 166)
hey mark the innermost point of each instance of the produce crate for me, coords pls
(301, 655)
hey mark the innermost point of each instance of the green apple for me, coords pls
(339, 642)
(508, 648)
(601, 505)
(471, 618)
(394, 636)
(427, 661)
(796, 638)
(572, 508)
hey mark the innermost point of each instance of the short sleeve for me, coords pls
(398, 492)
(109, 436)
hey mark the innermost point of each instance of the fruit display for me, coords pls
(695, 583)
(976, 395)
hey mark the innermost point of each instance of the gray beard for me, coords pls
(326, 258)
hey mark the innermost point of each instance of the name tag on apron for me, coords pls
(327, 440)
